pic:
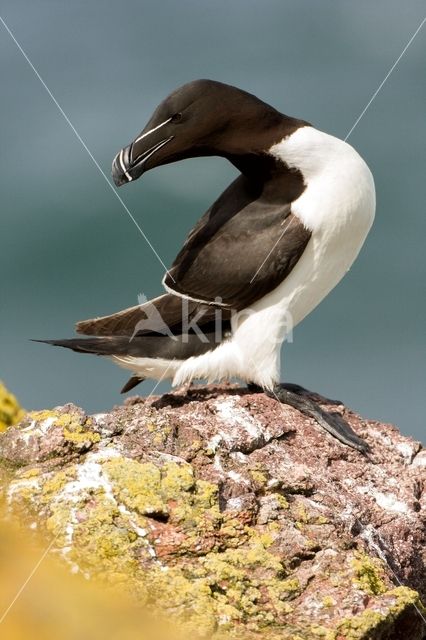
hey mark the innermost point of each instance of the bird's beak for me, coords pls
(131, 162)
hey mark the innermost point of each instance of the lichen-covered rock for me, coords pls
(10, 409)
(237, 515)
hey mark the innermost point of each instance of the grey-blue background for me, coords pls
(68, 250)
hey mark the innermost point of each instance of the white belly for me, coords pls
(259, 335)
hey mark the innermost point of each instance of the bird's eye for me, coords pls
(176, 117)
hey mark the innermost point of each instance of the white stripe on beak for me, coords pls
(152, 130)
(123, 166)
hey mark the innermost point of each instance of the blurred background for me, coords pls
(68, 250)
(56, 603)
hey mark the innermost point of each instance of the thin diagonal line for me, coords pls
(357, 121)
(273, 248)
(46, 551)
(85, 147)
(380, 554)
(404, 585)
(361, 115)
(375, 546)
(160, 379)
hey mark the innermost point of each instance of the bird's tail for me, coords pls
(101, 346)
(149, 346)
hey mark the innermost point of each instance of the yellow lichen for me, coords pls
(404, 596)
(259, 477)
(73, 431)
(177, 478)
(320, 520)
(360, 627)
(10, 410)
(318, 631)
(328, 602)
(43, 414)
(137, 485)
(221, 579)
(236, 585)
(29, 473)
(369, 574)
(55, 483)
(282, 501)
(190, 600)
(76, 434)
(106, 547)
(163, 492)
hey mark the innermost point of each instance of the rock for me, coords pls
(10, 410)
(232, 512)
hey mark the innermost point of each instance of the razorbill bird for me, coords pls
(266, 252)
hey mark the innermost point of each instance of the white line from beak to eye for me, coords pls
(152, 130)
(123, 166)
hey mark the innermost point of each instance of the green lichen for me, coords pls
(10, 410)
(369, 574)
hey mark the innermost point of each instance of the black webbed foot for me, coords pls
(301, 391)
(298, 397)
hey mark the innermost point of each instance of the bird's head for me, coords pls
(201, 118)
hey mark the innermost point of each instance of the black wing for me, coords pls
(241, 249)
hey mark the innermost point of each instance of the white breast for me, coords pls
(338, 206)
(339, 185)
